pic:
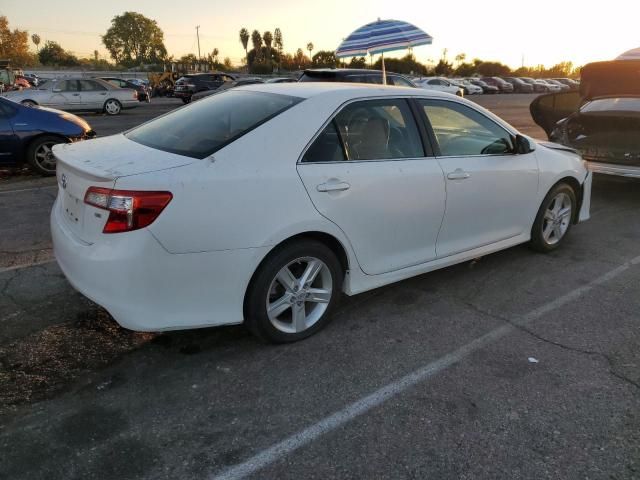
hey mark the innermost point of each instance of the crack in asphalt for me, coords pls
(555, 343)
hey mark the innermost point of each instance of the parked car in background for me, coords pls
(78, 94)
(32, 78)
(486, 88)
(563, 87)
(187, 85)
(440, 84)
(227, 85)
(601, 120)
(537, 87)
(467, 87)
(519, 86)
(354, 75)
(572, 84)
(144, 93)
(551, 87)
(27, 134)
(503, 87)
(346, 204)
(281, 80)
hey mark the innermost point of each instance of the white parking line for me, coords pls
(27, 265)
(360, 407)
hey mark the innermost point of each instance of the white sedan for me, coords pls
(77, 94)
(262, 204)
(440, 84)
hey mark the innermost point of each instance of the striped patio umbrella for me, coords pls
(633, 54)
(382, 36)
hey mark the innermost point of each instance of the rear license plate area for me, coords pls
(72, 209)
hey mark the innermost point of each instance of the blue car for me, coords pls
(28, 133)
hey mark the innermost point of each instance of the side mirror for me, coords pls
(523, 145)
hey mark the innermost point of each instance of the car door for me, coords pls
(93, 94)
(65, 94)
(367, 172)
(548, 110)
(8, 138)
(490, 189)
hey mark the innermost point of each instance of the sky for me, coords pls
(538, 32)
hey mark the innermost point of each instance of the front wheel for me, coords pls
(554, 218)
(293, 292)
(112, 107)
(28, 103)
(40, 155)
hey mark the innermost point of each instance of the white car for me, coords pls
(262, 204)
(440, 84)
(77, 94)
(467, 87)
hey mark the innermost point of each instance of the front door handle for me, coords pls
(458, 174)
(333, 187)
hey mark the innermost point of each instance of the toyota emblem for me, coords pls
(63, 180)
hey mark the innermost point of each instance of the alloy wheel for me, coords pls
(557, 218)
(299, 295)
(44, 156)
(112, 107)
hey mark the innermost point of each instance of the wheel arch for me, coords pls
(333, 243)
(28, 100)
(577, 188)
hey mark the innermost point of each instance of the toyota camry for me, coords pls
(263, 204)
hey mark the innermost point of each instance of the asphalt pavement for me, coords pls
(517, 366)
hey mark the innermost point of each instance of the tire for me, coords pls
(28, 103)
(553, 221)
(186, 100)
(39, 155)
(290, 303)
(112, 107)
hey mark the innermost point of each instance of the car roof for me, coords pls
(312, 89)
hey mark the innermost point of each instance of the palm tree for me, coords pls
(256, 41)
(310, 48)
(35, 38)
(268, 39)
(244, 39)
(277, 39)
(214, 55)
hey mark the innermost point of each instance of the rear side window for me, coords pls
(208, 125)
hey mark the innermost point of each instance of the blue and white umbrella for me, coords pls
(382, 36)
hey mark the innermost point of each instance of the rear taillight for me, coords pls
(128, 209)
(135, 95)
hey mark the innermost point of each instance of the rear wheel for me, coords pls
(112, 107)
(40, 156)
(293, 292)
(554, 218)
(186, 100)
(28, 103)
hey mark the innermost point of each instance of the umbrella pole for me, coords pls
(384, 72)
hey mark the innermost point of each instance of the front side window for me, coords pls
(461, 131)
(208, 125)
(369, 130)
(66, 85)
(90, 86)
(399, 81)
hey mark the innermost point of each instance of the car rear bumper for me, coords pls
(182, 93)
(146, 288)
(613, 169)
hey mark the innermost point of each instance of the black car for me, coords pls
(226, 86)
(538, 87)
(144, 94)
(187, 85)
(519, 86)
(486, 88)
(354, 75)
(572, 84)
(503, 87)
(601, 120)
(28, 133)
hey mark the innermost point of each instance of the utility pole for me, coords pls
(198, 35)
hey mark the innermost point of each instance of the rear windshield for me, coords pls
(610, 105)
(206, 126)
(318, 77)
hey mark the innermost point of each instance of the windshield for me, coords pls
(609, 105)
(207, 125)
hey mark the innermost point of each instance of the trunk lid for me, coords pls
(610, 79)
(100, 163)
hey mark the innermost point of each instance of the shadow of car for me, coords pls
(601, 120)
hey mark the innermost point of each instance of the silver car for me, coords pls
(86, 94)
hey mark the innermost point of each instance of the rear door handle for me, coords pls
(333, 187)
(458, 174)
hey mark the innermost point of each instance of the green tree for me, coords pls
(35, 38)
(324, 58)
(279, 44)
(310, 48)
(460, 58)
(268, 40)
(134, 39)
(360, 62)
(443, 67)
(490, 69)
(53, 54)
(14, 44)
(244, 39)
(256, 41)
